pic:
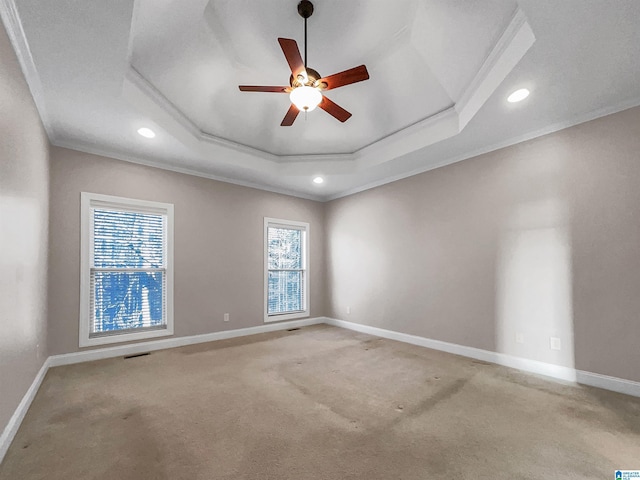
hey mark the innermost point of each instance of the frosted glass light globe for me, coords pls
(305, 98)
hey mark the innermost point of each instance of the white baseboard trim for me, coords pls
(109, 352)
(16, 419)
(615, 384)
(141, 347)
(558, 372)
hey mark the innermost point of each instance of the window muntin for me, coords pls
(285, 269)
(127, 276)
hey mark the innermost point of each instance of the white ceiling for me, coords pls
(440, 73)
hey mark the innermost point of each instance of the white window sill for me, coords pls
(125, 337)
(286, 316)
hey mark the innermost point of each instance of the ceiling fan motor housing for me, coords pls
(312, 75)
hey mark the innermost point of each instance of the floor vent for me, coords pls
(137, 355)
(292, 329)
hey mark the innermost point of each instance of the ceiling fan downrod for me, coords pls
(305, 10)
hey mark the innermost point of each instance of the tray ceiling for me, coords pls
(440, 72)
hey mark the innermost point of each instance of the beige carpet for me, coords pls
(317, 403)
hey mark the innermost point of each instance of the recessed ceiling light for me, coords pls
(146, 132)
(518, 95)
(318, 180)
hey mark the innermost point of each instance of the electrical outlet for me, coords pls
(226, 317)
(519, 337)
(348, 310)
(554, 343)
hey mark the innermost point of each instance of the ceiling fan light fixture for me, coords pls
(305, 98)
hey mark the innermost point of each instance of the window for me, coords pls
(126, 269)
(286, 263)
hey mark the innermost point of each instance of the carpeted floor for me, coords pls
(317, 403)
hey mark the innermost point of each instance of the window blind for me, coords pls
(128, 271)
(286, 270)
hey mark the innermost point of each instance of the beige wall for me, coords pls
(24, 165)
(218, 252)
(538, 239)
(542, 238)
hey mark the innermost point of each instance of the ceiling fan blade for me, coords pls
(353, 75)
(334, 109)
(292, 54)
(290, 117)
(260, 88)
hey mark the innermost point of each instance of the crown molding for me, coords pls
(108, 153)
(514, 43)
(13, 25)
(338, 164)
(143, 95)
(555, 127)
(134, 80)
(577, 120)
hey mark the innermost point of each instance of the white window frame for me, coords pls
(87, 202)
(277, 222)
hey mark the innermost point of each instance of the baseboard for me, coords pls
(89, 355)
(615, 384)
(16, 419)
(97, 354)
(558, 372)
(141, 347)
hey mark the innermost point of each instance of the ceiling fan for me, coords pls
(305, 84)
